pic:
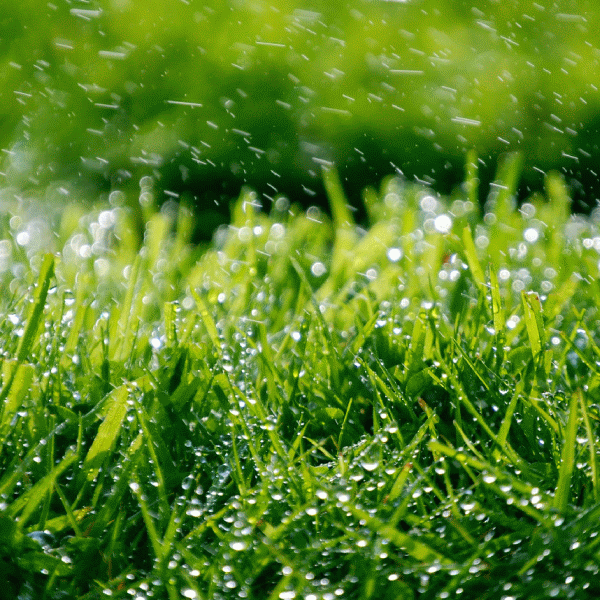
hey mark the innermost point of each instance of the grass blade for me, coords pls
(30, 501)
(534, 322)
(37, 309)
(20, 378)
(591, 437)
(472, 259)
(567, 459)
(108, 432)
(420, 551)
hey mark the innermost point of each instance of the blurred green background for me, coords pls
(208, 96)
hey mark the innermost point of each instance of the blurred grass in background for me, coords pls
(206, 97)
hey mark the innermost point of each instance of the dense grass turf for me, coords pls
(304, 408)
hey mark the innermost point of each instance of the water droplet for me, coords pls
(238, 545)
(531, 235)
(318, 269)
(394, 254)
(369, 465)
(442, 223)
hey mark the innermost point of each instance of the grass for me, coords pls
(304, 408)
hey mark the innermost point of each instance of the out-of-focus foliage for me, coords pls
(211, 95)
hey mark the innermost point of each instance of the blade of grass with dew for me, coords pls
(110, 428)
(122, 330)
(505, 185)
(472, 177)
(534, 322)
(20, 377)
(420, 551)
(560, 201)
(345, 236)
(209, 323)
(33, 324)
(507, 421)
(81, 309)
(498, 317)
(472, 259)
(37, 309)
(28, 503)
(567, 459)
(591, 437)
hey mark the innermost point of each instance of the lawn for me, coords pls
(305, 407)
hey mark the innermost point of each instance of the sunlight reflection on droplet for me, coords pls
(531, 235)
(442, 223)
(394, 254)
(318, 269)
(238, 545)
(23, 238)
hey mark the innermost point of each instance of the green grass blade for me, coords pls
(498, 316)
(157, 546)
(507, 178)
(123, 331)
(591, 437)
(472, 260)
(567, 459)
(420, 551)
(108, 432)
(29, 502)
(342, 217)
(472, 177)
(534, 322)
(20, 378)
(37, 309)
(209, 323)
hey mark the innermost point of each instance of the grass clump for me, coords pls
(304, 408)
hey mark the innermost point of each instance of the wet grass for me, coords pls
(304, 408)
